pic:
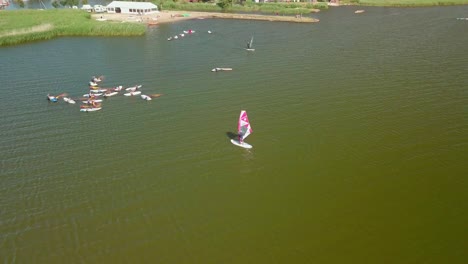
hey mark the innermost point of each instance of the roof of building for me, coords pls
(127, 4)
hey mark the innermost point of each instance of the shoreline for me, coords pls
(165, 16)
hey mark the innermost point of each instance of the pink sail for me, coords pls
(243, 127)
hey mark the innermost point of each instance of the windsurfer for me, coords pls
(95, 79)
(248, 45)
(53, 98)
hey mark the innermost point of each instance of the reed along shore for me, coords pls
(404, 3)
(22, 26)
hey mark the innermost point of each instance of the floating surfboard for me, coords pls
(110, 94)
(91, 101)
(133, 88)
(69, 100)
(90, 109)
(95, 94)
(132, 93)
(146, 97)
(221, 69)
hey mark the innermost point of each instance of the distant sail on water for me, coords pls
(250, 45)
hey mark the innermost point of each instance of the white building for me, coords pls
(126, 7)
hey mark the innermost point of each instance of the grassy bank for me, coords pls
(248, 6)
(405, 3)
(21, 26)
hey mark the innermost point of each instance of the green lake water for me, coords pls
(360, 144)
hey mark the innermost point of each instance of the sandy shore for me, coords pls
(174, 16)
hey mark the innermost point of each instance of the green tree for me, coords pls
(69, 3)
(20, 3)
(224, 4)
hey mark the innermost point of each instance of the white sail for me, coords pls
(243, 127)
(250, 45)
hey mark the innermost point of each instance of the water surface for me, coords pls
(360, 145)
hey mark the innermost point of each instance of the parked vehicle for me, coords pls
(88, 8)
(99, 9)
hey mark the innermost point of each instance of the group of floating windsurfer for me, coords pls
(92, 102)
(185, 32)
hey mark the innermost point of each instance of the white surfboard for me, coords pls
(133, 88)
(90, 109)
(242, 145)
(132, 93)
(69, 100)
(95, 94)
(97, 91)
(146, 97)
(221, 69)
(91, 101)
(110, 94)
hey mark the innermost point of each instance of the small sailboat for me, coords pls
(244, 130)
(249, 45)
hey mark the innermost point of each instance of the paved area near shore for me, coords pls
(174, 16)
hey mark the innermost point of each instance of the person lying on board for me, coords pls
(51, 98)
(54, 98)
(96, 79)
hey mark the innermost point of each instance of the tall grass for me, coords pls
(20, 26)
(249, 6)
(280, 8)
(405, 3)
